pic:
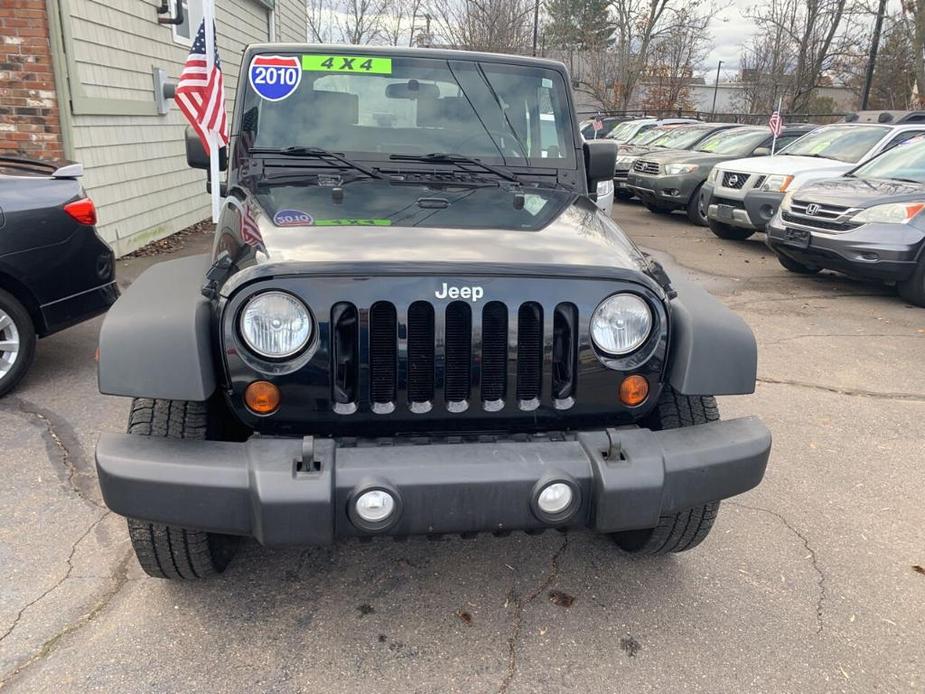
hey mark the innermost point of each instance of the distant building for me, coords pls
(76, 82)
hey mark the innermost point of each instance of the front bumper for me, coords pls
(299, 491)
(887, 252)
(669, 191)
(761, 207)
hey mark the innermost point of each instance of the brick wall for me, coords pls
(29, 120)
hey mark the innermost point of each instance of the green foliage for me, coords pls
(578, 24)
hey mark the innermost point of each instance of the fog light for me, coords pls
(375, 506)
(555, 498)
(634, 390)
(262, 397)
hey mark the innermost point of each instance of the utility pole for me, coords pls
(716, 86)
(872, 59)
(536, 25)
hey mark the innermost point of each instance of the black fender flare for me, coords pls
(156, 340)
(713, 351)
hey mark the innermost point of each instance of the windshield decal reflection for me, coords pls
(292, 218)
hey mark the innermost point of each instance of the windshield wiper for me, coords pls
(317, 153)
(447, 158)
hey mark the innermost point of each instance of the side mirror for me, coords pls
(600, 161)
(196, 156)
(761, 151)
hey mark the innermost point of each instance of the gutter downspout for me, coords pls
(59, 70)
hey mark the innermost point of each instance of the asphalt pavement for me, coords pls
(807, 584)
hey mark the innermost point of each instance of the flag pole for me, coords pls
(208, 17)
(780, 103)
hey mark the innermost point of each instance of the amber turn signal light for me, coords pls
(262, 397)
(634, 390)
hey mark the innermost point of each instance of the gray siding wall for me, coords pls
(135, 168)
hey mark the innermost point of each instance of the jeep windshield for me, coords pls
(369, 108)
(847, 143)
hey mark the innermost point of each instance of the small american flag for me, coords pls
(200, 94)
(776, 124)
(250, 230)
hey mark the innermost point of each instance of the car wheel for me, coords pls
(796, 267)
(675, 532)
(729, 232)
(17, 342)
(913, 289)
(165, 551)
(696, 212)
(657, 209)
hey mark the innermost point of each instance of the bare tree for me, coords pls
(811, 39)
(501, 26)
(346, 21)
(674, 56)
(399, 21)
(913, 13)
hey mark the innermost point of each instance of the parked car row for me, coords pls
(845, 197)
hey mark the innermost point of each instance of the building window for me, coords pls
(192, 17)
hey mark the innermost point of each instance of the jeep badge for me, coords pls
(472, 294)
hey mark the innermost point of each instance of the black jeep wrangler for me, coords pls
(415, 321)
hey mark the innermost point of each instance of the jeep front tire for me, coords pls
(675, 532)
(165, 551)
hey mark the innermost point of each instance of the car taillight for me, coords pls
(84, 211)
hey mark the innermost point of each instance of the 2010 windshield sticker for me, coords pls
(347, 63)
(292, 218)
(274, 77)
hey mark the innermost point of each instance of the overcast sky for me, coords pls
(730, 30)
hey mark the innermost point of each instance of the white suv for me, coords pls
(741, 196)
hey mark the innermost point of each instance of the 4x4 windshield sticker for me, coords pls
(292, 218)
(347, 63)
(274, 77)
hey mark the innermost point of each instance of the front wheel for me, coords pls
(729, 232)
(913, 289)
(696, 211)
(165, 551)
(17, 342)
(799, 268)
(675, 532)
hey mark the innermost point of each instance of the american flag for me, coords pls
(200, 94)
(250, 230)
(776, 124)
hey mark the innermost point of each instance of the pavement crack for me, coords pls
(820, 575)
(61, 442)
(519, 604)
(119, 579)
(67, 575)
(853, 392)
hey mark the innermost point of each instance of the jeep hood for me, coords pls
(378, 223)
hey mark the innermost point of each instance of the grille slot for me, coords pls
(529, 351)
(458, 351)
(383, 352)
(420, 352)
(564, 351)
(494, 351)
(345, 350)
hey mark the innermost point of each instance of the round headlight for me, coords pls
(276, 325)
(620, 324)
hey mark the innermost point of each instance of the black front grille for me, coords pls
(454, 356)
(734, 179)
